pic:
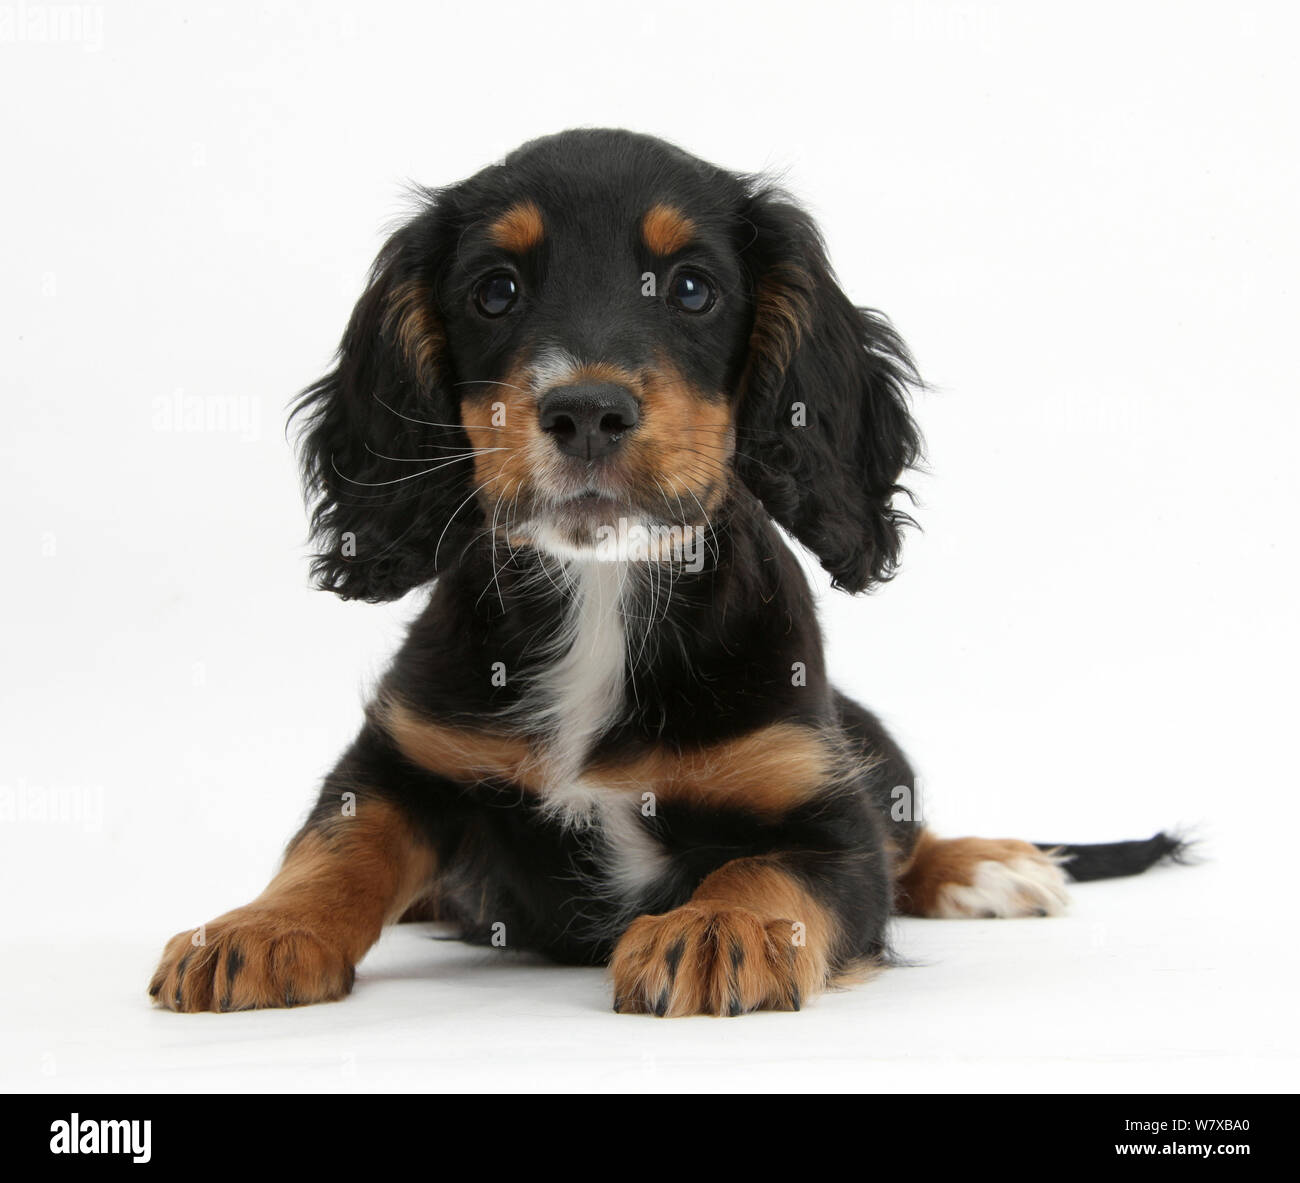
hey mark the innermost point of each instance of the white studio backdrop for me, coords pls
(1082, 222)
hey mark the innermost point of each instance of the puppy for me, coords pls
(578, 395)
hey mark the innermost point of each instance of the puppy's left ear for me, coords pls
(824, 426)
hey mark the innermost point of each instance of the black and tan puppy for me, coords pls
(577, 393)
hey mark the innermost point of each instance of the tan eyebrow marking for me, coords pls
(520, 228)
(665, 229)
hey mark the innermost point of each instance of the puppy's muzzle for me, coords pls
(589, 420)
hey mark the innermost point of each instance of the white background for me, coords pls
(1084, 224)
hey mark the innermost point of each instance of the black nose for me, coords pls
(589, 419)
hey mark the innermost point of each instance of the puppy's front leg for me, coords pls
(759, 933)
(344, 877)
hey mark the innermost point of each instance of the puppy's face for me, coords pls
(596, 319)
(602, 330)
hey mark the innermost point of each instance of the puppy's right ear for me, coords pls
(380, 430)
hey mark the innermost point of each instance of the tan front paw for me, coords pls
(249, 958)
(712, 960)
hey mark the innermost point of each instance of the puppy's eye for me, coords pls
(496, 294)
(690, 292)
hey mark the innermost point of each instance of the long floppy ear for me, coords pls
(385, 463)
(825, 431)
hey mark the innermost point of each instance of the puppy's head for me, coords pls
(602, 331)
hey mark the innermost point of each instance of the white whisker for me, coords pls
(422, 422)
(454, 512)
(398, 480)
(426, 459)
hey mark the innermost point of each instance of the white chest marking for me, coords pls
(571, 703)
(575, 698)
(633, 858)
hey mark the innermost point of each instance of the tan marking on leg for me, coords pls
(666, 230)
(519, 229)
(301, 939)
(462, 754)
(768, 771)
(978, 877)
(752, 937)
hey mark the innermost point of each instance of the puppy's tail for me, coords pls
(1112, 860)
